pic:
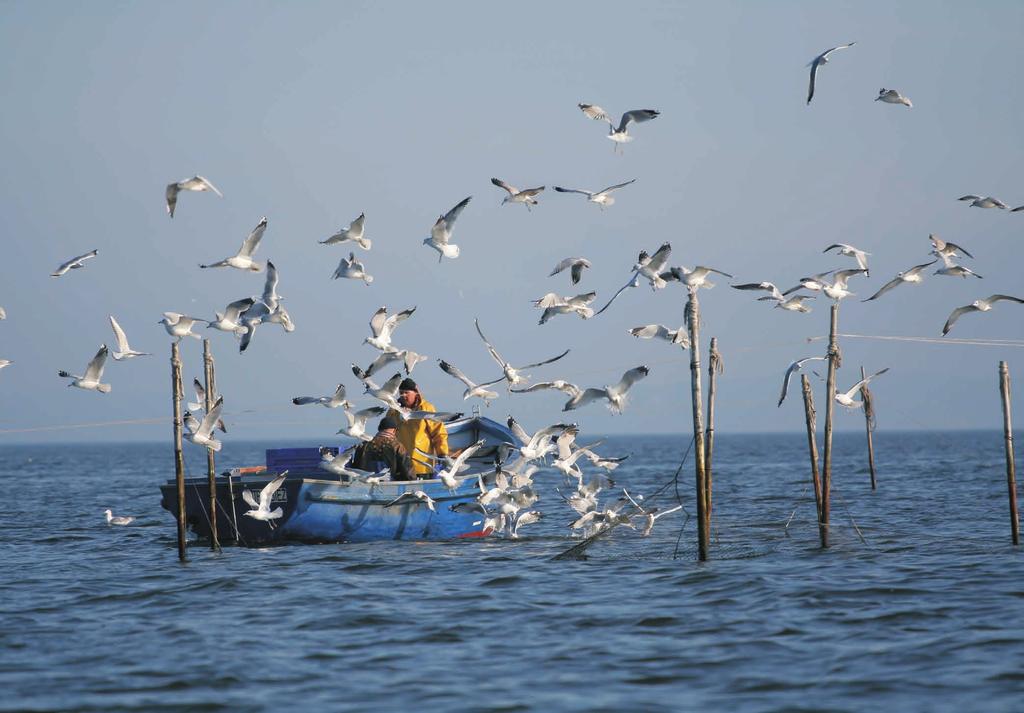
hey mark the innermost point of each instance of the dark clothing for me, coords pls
(384, 451)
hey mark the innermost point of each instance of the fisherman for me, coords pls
(384, 451)
(424, 439)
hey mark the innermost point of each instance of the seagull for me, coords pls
(538, 445)
(912, 276)
(113, 519)
(580, 304)
(5, 362)
(261, 510)
(356, 427)
(651, 266)
(523, 517)
(388, 392)
(447, 475)
(769, 287)
(859, 255)
(620, 135)
(382, 326)
(93, 374)
(472, 389)
(229, 320)
(123, 350)
(352, 269)
(660, 331)
(602, 198)
(953, 270)
(814, 283)
(593, 111)
(983, 201)
(608, 464)
(354, 232)
(891, 96)
(336, 464)
(650, 515)
(242, 260)
(693, 279)
(575, 265)
(200, 403)
(415, 496)
(794, 368)
(266, 309)
(942, 248)
(73, 264)
(837, 290)
(202, 435)
(178, 325)
(525, 196)
(511, 373)
(196, 183)
(817, 62)
(977, 306)
(333, 401)
(441, 233)
(615, 395)
(408, 357)
(558, 384)
(846, 399)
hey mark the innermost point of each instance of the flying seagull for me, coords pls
(472, 388)
(891, 96)
(912, 276)
(977, 306)
(333, 401)
(660, 331)
(794, 368)
(983, 201)
(859, 255)
(201, 432)
(602, 198)
(951, 269)
(511, 373)
(354, 232)
(73, 264)
(242, 260)
(352, 269)
(575, 265)
(615, 394)
(943, 248)
(178, 325)
(525, 196)
(441, 233)
(261, 509)
(200, 403)
(196, 183)
(382, 326)
(817, 62)
(230, 319)
(123, 350)
(93, 373)
(846, 399)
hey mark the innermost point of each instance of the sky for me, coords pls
(311, 113)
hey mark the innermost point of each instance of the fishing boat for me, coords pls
(322, 507)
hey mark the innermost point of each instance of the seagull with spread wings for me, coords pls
(242, 260)
(333, 401)
(575, 265)
(382, 326)
(196, 183)
(819, 61)
(472, 388)
(602, 198)
(794, 368)
(201, 432)
(983, 201)
(354, 233)
(977, 306)
(229, 320)
(123, 350)
(441, 233)
(620, 134)
(660, 331)
(891, 96)
(527, 196)
(351, 269)
(614, 394)
(261, 508)
(859, 255)
(511, 373)
(911, 276)
(74, 263)
(846, 399)
(90, 381)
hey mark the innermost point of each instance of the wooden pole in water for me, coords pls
(179, 458)
(211, 466)
(693, 325)
(812, 448)
(1011, 471)
(834, 360)
(869, 425)
(714, 369)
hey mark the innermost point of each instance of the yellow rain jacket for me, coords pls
(427, 436)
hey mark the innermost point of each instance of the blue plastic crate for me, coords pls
(295, 459)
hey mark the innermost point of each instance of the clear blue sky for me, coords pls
(309, 113)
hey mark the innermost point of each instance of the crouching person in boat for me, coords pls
(385, 451)
(420, 436)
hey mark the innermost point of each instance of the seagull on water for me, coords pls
(943, 248)
(261, 509)
(951, 269)
(441, 233)
(382, 326)
(178, 325)
(196, 183)
(912, 276)
(983, 201)
(333, 401)
(93, 373)
(74, 263)
(123, 350)
(511, 373)
(891, 96)
(977, 306)
(472, 388)
(354, 232)
(602, 198)
(615, 395)
(794, 368)
(660, 331)
(859, 255)
(575, 266)
(819, 61)
(525, 196)
(242, 260)
(113, 519)
(846, 399)
(352, 269)
(229, 320)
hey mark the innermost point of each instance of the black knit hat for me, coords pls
(387, 422)
(408, 385)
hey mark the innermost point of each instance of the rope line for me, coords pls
(930, 340)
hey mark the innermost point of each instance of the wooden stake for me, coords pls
(869, 425)
(714, 369)
(211, 466)
(830, 386)
(693, 325)
(1011, 474)
(179, 458)
(812, 449)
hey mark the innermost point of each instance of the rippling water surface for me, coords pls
(926, 612)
